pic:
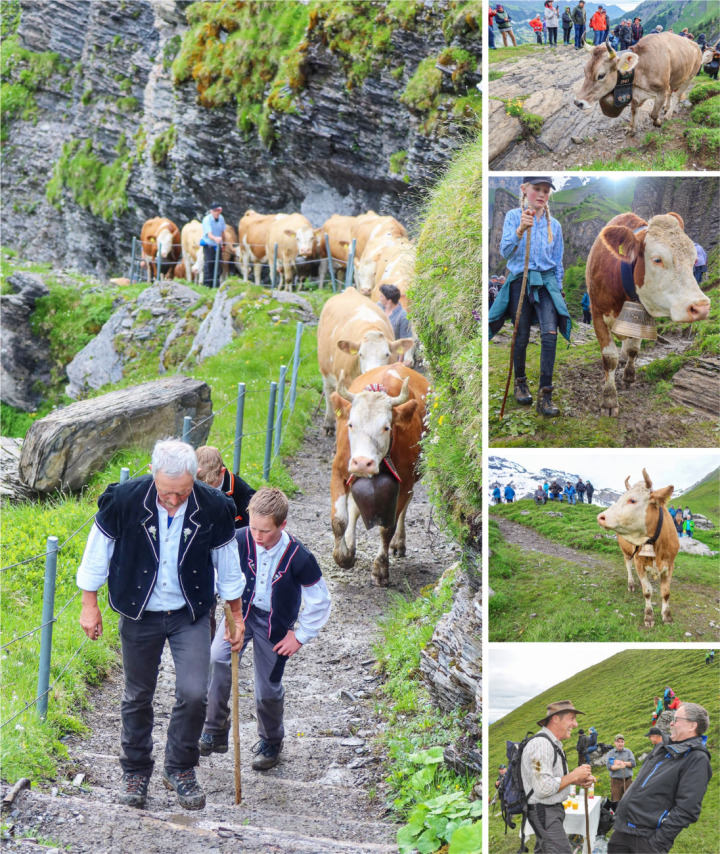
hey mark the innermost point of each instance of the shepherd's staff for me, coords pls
(517, 317)
(587, 823)
(235, 706)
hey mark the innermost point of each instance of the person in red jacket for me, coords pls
(537, 26)
(491, 27)
(598, 23)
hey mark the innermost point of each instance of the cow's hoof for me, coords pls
(381, 571)
(345, 560)
(667, 617)
(649, 622)
(380, 580)
(631, 588)
(610, 411)
(657, 123)
(329, 429)
(629, 377)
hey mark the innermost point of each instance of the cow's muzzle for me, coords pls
(698, 311)
(581, 104)
(363, 466)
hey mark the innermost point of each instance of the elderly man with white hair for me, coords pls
(158, 541)
(667, 794)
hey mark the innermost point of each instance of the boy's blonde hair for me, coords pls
(270, 501)
(523, 200)
(210, 464)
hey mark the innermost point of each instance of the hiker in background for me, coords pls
(581, 747)
(540, 495)
(679, 522)
(567, 25)
(657, 30)
(598, 24)
(580, 489)
(667, 796)
(685, 34)
(491, 27)
(620, 762)
(389, 302)
(493, 290)
(668, 696)
(497, 498)
(504, 25)
(675, 703)
(213, 225)
(655, 734)
(212, 471)
(589, 488)
(546, 490)
(585, 303)
(659, 706)
(556, 491)
(537, 27)
(712, 656)
(509, 494)
(551, 22)
(579, 17)
(636, 30)
(592, 741)
(689, 527)
(545, 773)
(625, 35)
(712, 67)
(686, 512)
(707, 657)
(570, 493)
(701, 265)
(671, 511)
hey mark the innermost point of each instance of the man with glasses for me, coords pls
(158, 541)
(668, 792)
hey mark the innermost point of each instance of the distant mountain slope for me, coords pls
(617, 697)
(699, 16)
(704, 496)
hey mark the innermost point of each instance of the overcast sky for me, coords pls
(519, 672)
(608, 467)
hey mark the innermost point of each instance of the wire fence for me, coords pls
(220, 265)
(281, 401)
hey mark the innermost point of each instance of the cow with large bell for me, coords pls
(647, 537)
(660, 67)
(379, 427)
(648, 263)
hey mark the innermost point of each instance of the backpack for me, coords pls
(607, 816)
(513, 797)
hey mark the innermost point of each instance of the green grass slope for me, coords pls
(546, 597)
(704, 497)
(617, 696)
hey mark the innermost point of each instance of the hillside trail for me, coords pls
(318, 799)
(548, 80)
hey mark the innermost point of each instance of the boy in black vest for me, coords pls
(279, 573)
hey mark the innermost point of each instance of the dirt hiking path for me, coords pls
(316, 800)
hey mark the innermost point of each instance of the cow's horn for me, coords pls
(341, 390)
(589, 47)
(627, 483)
(646, 478)
(404, 393)
(611, 53)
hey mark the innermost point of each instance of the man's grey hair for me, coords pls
(695, 713)
(174, 458)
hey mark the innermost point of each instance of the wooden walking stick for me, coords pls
(517, 318)
(587, 824)
(235, 707)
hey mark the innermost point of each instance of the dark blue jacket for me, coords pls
(509, 492)
(297, 569)
(128, 515)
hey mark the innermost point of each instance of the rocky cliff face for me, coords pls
(331, 156)
(697, 200)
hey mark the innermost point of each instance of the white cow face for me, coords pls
(372, 352)
(365, 277)
(165, 242)
(628, 516)
(601, 73)
(305, 242)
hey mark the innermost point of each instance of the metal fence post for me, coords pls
(132, 261)
(187, 429)
(296, 365)
(269, 430)
(218, 252)
(331, 268)
(158, 264)
(239, 417)
(273, 272)
(43, 683)
(280, 408)
(351, 261)
(124, 474)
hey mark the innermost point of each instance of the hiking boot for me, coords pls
(522, 392)
(266, 755)
(190, 795)
(213, 743)
(133, 789)
(545, 406)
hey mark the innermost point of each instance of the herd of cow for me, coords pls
(383, 253)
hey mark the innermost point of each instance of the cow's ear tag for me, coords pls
(338, 413)
(621, 249)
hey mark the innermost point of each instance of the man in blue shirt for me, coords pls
(159, 541)
(389, 302)
(213, 225)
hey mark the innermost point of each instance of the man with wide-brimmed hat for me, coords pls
(546, 779)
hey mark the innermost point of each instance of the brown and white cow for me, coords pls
(377, 429)
(295, 237)
(190, 238)
(379, 252)
(663, 257)
(161, 233)
(665, 66)
(370, 226)
(339, 231)
(252, 239)
(395, 266)
(227, 253)
(354, 335)
(634, 518)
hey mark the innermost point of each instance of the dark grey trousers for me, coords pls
(269, 691)
(142, 645)
(547, 822)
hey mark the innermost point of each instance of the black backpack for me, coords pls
(513, 797)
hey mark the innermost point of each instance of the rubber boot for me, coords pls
(522, 393)
(545, 406)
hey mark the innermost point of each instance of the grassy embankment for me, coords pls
(32, 748)
(617, 697)
(542, 597)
